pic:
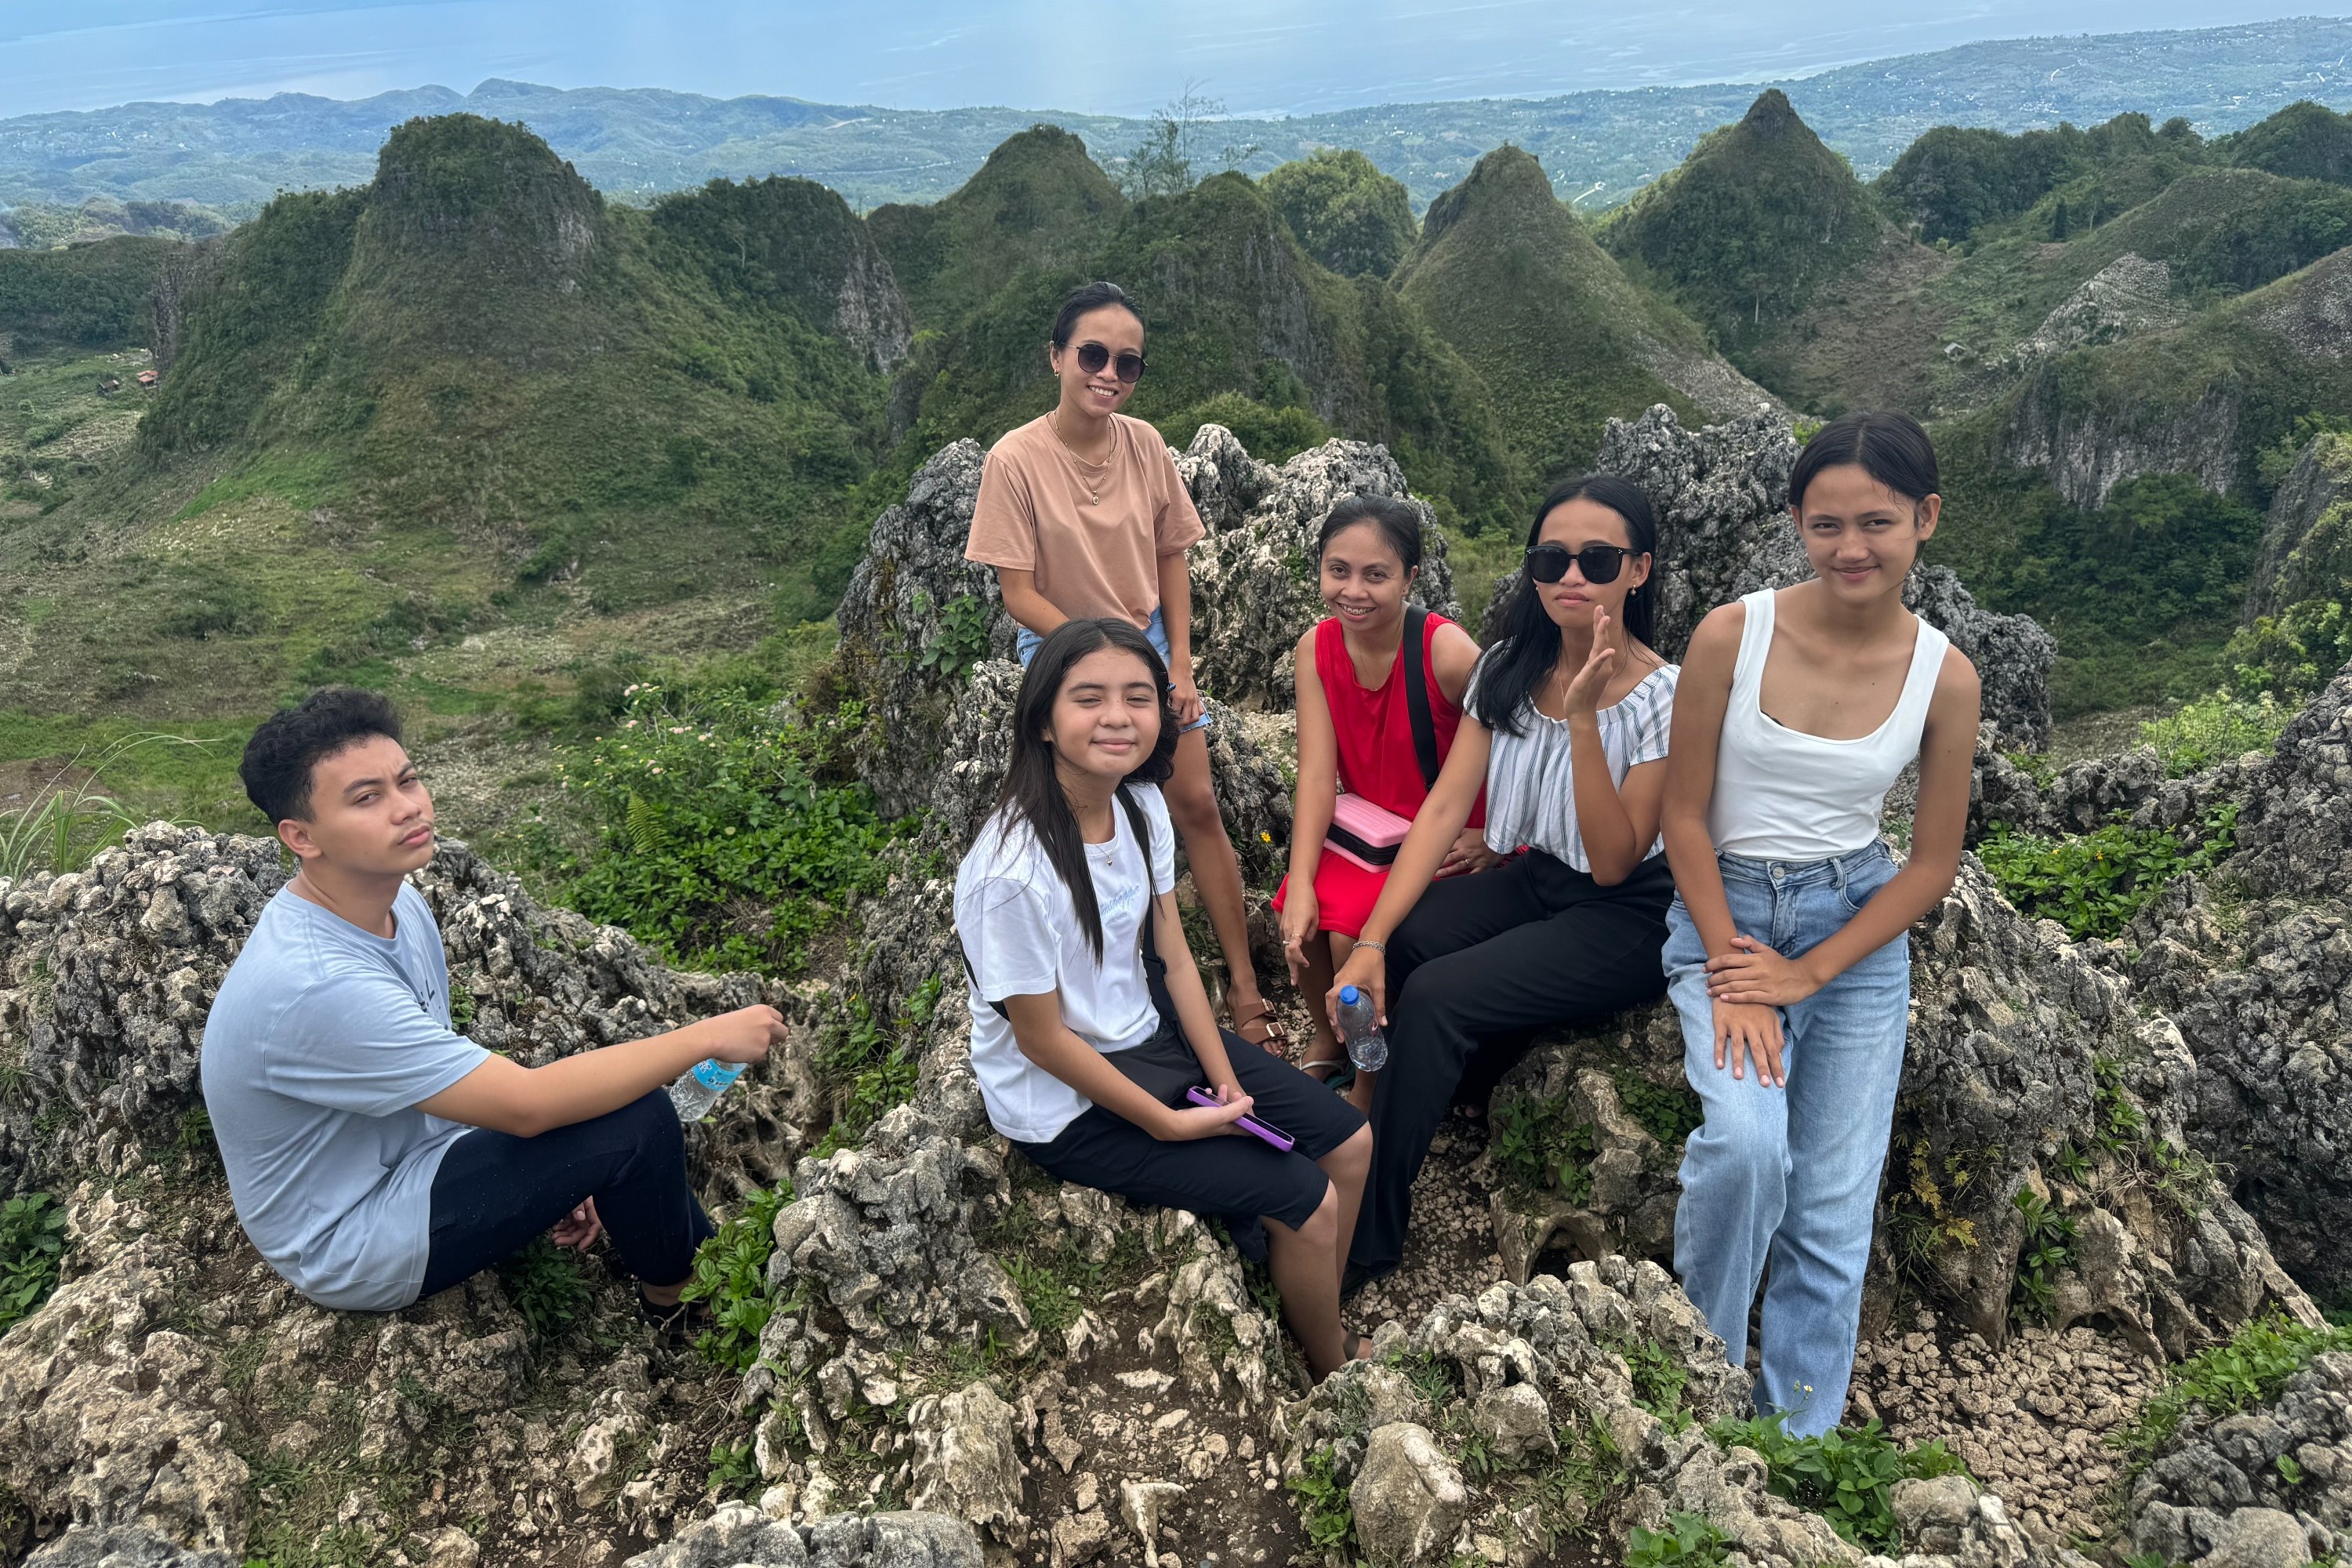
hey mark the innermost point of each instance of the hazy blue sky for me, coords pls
(1099, 56)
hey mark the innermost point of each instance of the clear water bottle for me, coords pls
(697, 1092)
(1359, 1031)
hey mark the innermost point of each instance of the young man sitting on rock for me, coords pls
(374, 1154)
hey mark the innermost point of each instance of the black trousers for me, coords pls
(1481, 964)
(494, 1192)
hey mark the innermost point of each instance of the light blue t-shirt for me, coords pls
(321, 1044)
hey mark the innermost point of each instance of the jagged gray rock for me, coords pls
(2270, 1485)
(1253, 581)
(2294, 834)
(1721, 495)
(1408, 1497)
(2131, 294)
(123, 1546)
(2298, 560)
(2087, 450)
(738, 1536)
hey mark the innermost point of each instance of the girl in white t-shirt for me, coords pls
(1089, 1022)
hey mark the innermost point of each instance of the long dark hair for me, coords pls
(1088, 296)
(1033, 791)
(1399, 522)
(1514, 668)
(1892, 448)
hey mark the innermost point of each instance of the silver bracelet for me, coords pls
(1380, 947)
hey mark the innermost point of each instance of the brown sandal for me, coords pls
(1274, 1041)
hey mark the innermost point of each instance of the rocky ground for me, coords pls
(937, 1357)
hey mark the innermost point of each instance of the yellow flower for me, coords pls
(1264, 837)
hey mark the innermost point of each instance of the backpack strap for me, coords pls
(1155, 968)
(1416, 695)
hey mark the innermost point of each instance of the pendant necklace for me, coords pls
(1092, 481)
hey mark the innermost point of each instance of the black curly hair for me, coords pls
(293, 741)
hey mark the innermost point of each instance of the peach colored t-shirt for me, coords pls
(1038, 512)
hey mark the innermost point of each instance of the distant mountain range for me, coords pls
(1597, 147)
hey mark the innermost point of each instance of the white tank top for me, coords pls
(1782, 794)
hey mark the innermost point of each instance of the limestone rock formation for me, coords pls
(123, 1546)
(2298, 559)
(2130, 294)
(2086, 451)
(2272, 1485)
(738, 1536)
(1721, 495)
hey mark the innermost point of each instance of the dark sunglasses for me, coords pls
(1092, 357)
(1598, 562)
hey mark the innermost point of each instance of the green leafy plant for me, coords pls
(544, 1282)
(871, 1069)
(1535, 1146)
(1658, 1379)
(1846, 1474)
(962, 638)
(2213, 730)
(1689, 1540)
(1324, 1509)
(1670, 1115)
(2049, 1247)
(32, 1252)
(733, 1469)
(730, 1273)
(719, 837)
(2248, 1368)
(2093, 883)
(72, 817)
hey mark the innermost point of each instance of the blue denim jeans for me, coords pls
(1025, 643)
(1790, 1175)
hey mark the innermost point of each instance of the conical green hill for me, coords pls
(2304, 140)
(1039, 201)
(1350, 216)
(1755, 219)
(1510, 278)
(1235, 310)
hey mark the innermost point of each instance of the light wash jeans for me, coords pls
(1791, 1174)
(1025, 644)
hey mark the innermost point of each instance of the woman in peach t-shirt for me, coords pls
(1082, 516)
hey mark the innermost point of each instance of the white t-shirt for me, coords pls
(1021, 936)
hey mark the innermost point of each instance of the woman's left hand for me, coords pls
(1753, 972)
(1469, 854)
(1186, 698)
(579, 1228)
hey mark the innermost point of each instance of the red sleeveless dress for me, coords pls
(1374, 730)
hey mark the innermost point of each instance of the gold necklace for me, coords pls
(1094, 488)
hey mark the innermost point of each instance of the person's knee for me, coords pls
(1749, 1155)
(1352, 1158)
(1321, 1228)
(1191, 805)
(651, 1123)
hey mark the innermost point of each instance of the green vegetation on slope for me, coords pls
(1038, 202)
(1507, 275)
(2304, 140)
(1956, 182)
(1346, 213)
(1745, 232)
(91, 297)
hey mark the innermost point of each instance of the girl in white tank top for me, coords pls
(1787, 953)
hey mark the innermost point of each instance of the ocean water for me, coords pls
(1085, 56)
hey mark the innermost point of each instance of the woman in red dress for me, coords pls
(1356, 736)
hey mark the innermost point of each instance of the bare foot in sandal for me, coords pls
(1270, 1036)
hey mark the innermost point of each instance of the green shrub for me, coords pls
(731, 1272)
(544, 1282)
(2215, 729)
(1670, 1115)
(1846, 1474)
(870, 1070)
(2093, 883)
(1536, 1147)
(1659, 1377)
(2250, 1367)
(963, 638)
(2293, 653)
(1689, 1540)
(32, 1250)
(718, 838)
(1325, 1512)
(734, 1470)
(2049, 1247)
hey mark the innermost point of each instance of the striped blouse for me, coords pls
(1530, 789)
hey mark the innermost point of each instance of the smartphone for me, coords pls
(1200, 1094)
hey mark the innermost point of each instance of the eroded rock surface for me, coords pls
(2269, 1485)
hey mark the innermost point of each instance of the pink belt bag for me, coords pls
(1365, 833)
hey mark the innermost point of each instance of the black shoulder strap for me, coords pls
(1416, 696)
(1155, 968)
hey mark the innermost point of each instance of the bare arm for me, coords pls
(1176, 619)
(1024, 604)
(1947, 754)
(1425, 847)
(507, 1096)
(1319, 771)
(1184, 989)
(1452, 657)
(1701, 695)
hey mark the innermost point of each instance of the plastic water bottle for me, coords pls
(1359, 1031)
(698, 1090)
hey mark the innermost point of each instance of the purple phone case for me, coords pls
(1250, 1125)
